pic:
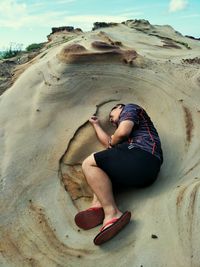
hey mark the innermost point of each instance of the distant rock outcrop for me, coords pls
(6, 73)
(65, 28)
(11, 68)
(60, 33)
(146, 27)
(192, 37)
(140, 24)
(195, 60)
(98, 25)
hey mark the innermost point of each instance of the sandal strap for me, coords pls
(95, 208)
(109, 222)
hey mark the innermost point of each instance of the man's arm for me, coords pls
(123, 131)
(101, 134)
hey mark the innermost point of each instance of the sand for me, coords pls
(45, 135)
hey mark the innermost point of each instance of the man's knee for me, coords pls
(89, 161)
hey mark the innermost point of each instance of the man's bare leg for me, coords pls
(101, 185)
(95, 202)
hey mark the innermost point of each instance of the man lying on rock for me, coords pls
(132, 158)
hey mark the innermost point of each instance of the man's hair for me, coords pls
(116, 106)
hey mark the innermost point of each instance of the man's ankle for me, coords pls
(111, 211)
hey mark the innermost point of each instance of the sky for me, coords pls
(30, 21)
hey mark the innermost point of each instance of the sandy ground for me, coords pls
(45, 135)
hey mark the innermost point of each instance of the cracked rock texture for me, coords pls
(45, 135)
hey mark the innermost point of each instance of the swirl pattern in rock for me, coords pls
(45, 135)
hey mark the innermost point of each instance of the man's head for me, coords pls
(115, 113)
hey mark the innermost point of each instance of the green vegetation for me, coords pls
(185, 44)
(34, 47)
(12, 51)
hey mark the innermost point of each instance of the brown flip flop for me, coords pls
(117, 224)
(89, 218)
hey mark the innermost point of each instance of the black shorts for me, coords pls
(128, 167)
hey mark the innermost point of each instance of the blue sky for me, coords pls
(30, 21)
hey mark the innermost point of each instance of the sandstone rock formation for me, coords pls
(45, 135)
(98, 25)
(61, 33)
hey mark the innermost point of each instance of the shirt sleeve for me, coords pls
(131, 113)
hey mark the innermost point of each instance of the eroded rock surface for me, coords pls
(45, 135)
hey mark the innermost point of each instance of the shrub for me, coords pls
(12, 51)
(34, 47)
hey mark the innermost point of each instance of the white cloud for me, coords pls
(17, 15)
(10, 8)
(56, 19)
(176, 5)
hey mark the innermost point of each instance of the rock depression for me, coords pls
(45, 135)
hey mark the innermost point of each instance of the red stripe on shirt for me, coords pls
(152, 139)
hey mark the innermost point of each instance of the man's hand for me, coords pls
(101, 134)
(94, 120)
(110, 142)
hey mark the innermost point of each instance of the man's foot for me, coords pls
(112, 227)
(89, 218)
(112, 215)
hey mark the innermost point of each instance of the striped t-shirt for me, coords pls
(144, 135)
